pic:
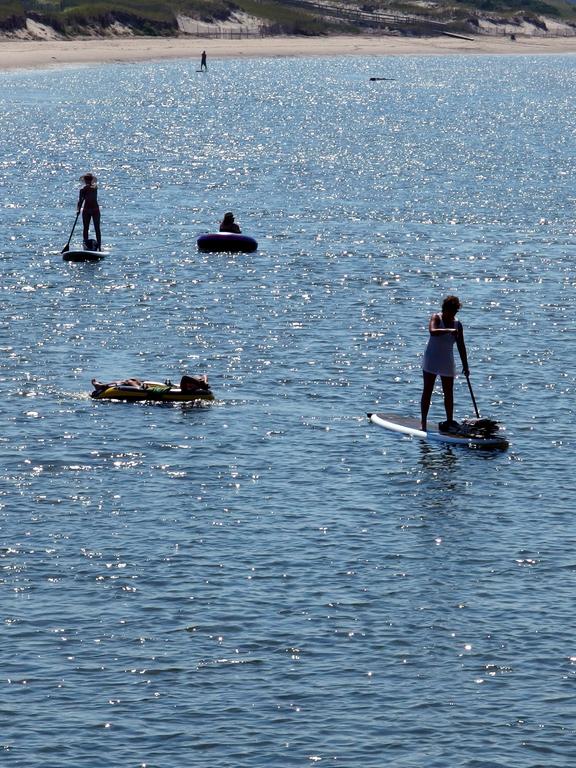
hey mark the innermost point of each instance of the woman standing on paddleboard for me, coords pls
(445, 331)
(91, 211)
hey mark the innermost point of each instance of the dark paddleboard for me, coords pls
(411, 427)
(84, 255)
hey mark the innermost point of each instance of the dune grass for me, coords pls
(11, 9)
(289, 19)
(159, 17)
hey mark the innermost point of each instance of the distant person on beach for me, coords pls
(88, 204)
(445, 331)
(203, 65)
(229, 225)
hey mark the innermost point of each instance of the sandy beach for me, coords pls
(26, 54)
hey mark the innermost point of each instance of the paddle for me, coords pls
(472, 395)
(67, 246)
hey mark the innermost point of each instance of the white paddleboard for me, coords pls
(411, 427)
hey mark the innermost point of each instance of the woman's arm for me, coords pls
(81, 198)
(462, 350)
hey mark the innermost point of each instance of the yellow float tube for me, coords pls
(151, 391)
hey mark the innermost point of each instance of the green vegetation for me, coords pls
(303, 17)
(290, 19)
(12, 14)
(71, 17)
(516, 7)
(75, 19)
(460, 9)
(204, 10)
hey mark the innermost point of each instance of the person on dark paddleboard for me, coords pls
(229, 225)
(203, 65)
(438, 360)
(88, 204)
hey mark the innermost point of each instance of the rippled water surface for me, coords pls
(272, 580)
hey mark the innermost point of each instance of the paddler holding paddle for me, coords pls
(88, 203)
(445, 331)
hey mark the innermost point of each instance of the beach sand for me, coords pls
(25, 54)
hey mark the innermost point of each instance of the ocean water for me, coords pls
(271, 580)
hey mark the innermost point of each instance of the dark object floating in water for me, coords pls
(84, 255)
(191, 388)
(90, 252)
(382, 78)
(226, 242)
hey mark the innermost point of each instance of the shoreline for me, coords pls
(48, 54)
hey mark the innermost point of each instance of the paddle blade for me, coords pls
(66, 248)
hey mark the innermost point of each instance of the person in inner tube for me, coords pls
(229, 225)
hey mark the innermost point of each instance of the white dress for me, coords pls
(439, 353)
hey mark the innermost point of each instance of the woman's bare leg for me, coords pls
(427, 389)
(448, 389)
